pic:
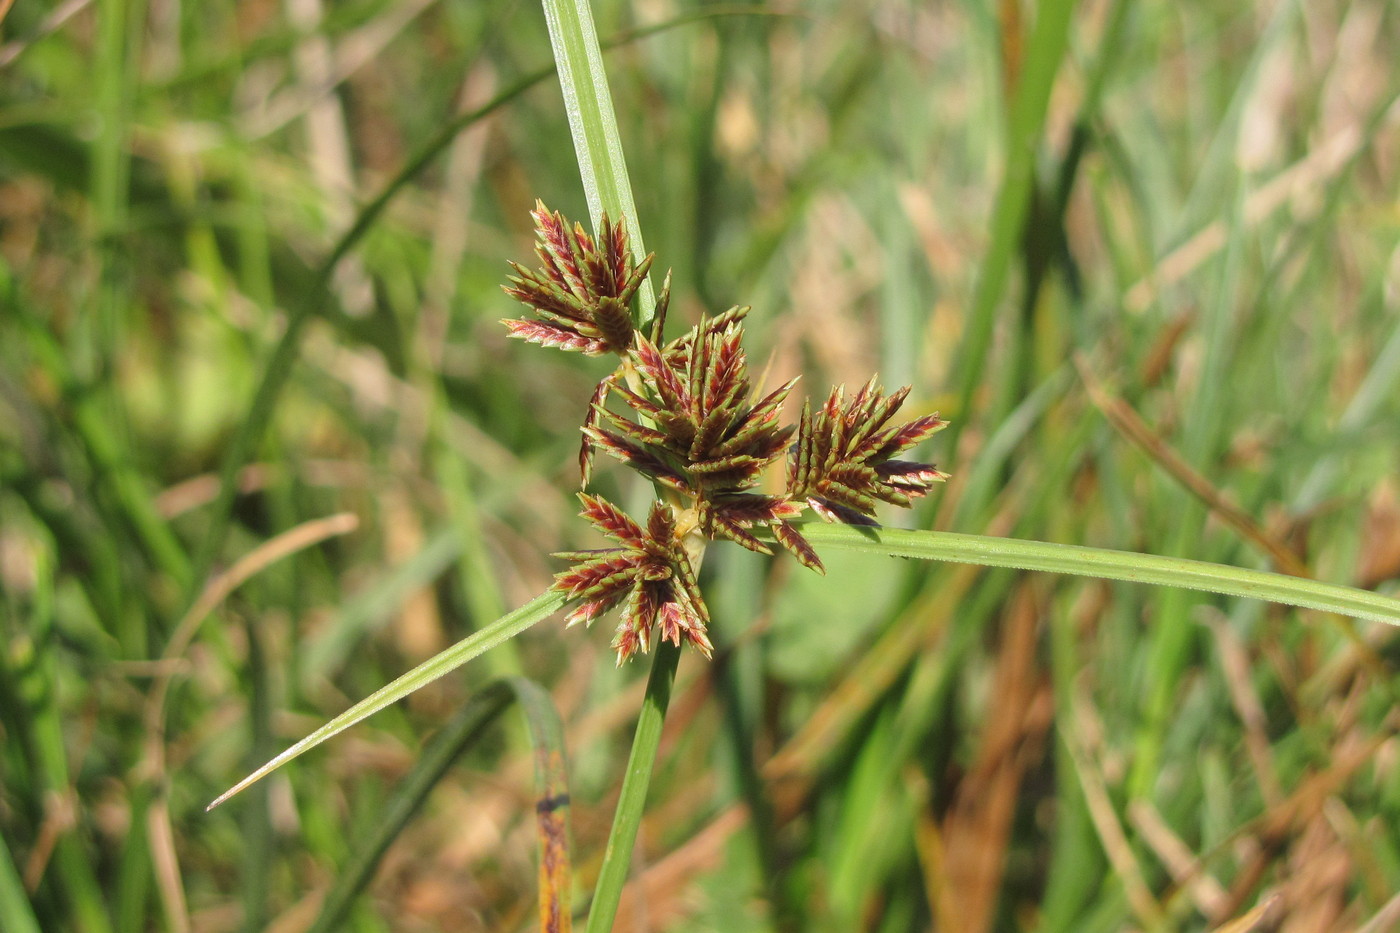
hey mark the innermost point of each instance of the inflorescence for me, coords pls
(696, 430)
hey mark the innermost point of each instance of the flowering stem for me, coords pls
(632, 801)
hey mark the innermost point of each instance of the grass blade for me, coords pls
(1048, 43)
(504, 628)
(1109, 565)
(15, 913)
(594, 127)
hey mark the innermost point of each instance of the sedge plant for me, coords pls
(684, 414)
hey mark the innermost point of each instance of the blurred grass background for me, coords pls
(1166, 322)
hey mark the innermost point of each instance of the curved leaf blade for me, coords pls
(1109, 565)
(503, 629)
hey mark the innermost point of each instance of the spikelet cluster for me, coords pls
(690, 421)
(649, 575)
(843, 462)
(582, 293)
(700, 433)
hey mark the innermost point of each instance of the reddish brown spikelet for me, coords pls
(841, 465)
(590, 420)
(553, 335)
(610, 520)
(649, 576)
(720, 526)
(584, 286)
(600, 576)
(586, 612)
(790, 538)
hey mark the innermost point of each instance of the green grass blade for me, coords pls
(376, 605)
(594, 127)
(506, 627)
(1109, 565)
(635, 782)
(15, 913)
(1046, 49)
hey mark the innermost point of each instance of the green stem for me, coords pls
(632, 802)
(1048, 43)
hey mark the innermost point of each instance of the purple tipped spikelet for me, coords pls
(841, 464)
(649, 576)
(583, 290)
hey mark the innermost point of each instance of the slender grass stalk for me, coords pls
(15, 913)
(603, 167)
(1048, 43)
(37, 686)
(632, 802)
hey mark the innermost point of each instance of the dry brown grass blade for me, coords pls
(1128, 423)
(51, 24)
(1308, 175)
(929, 847)
(1012, 32)
(556, 876)
(1186, 870)
(60, 818)
(188, 495)
(978, 826)
(1386, 919)
(167, 866)
(1103, 815)
(152, 767)
(1262, 917)
(1318, 873)
(1235, 664)
(1277, 826)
